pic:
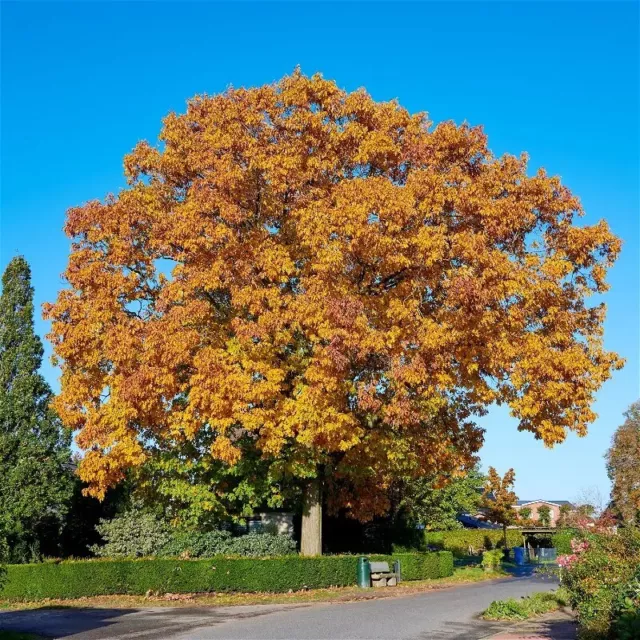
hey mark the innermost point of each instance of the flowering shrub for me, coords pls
(578, 547)
(598, 575)
(567, 561)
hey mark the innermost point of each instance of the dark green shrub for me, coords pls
(193, 544)
(255, 545)
(561, 540)
(132, 534)
(406, 538)
(421, 566)
(461, 541)
(626, 611)
(196, 544)
(74, 579)
(136, 534)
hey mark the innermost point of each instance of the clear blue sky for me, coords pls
(83, 82)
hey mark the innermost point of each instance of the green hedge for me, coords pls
(459, 541)
(561, 540)
(421, 566)
(79, 578)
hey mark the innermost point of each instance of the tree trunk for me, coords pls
(311, 537)
(504, 533)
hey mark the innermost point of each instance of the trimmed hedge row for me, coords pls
(459, 540)
(79, 578)
(421, 566)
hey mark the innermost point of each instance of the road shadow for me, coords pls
(479, 629)
(93, 623)
(556, 629)
(546, 570)
(521, 571)
(60, 622)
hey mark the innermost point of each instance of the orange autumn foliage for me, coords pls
(498, 498)
(334, 276)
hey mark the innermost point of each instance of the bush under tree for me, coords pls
(132, 534)
(139, 533)
(219, 542)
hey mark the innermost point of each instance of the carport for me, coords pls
(529, 534)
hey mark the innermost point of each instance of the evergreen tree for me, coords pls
(35, 471)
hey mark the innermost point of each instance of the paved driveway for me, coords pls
(450, 613)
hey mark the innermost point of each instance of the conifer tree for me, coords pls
(35, 476)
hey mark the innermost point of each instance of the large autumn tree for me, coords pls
(334, 278)
(623, 465)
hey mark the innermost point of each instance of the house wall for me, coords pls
(277, 522)
(534, 506)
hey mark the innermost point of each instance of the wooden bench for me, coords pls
(382, 576)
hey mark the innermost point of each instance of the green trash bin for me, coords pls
(364, 573)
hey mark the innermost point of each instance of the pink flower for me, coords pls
(579, 546)
(567, 561)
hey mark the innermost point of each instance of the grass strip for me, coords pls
(527, 607)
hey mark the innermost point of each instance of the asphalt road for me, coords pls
(450, 613)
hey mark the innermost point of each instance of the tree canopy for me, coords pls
(499, 499)
(623, 466)
(35, 456)
(544, 515)
(334, 278)
(436, 502)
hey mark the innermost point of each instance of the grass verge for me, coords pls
(463, 575)
(17, 635)
(527, 607)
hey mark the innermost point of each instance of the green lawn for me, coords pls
(16, 635)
